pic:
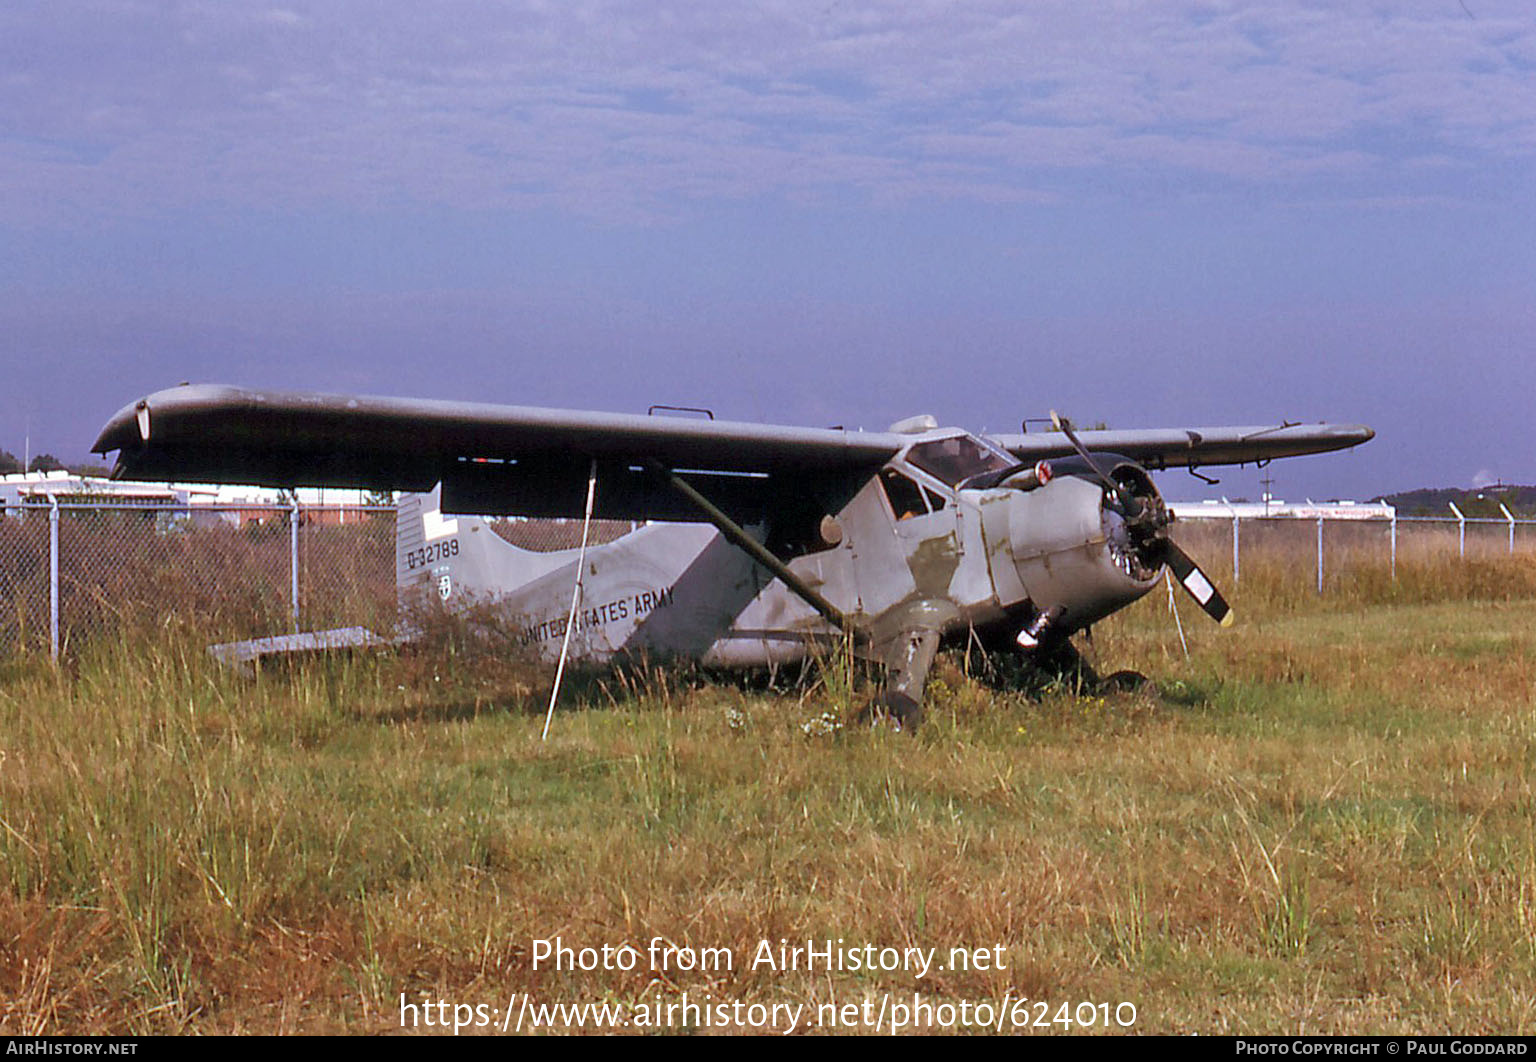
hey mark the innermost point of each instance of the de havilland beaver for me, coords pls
(761, 542)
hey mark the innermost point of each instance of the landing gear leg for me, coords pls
(906, 675)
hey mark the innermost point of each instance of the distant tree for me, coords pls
(1483, 504)
(46, 463)
(9, 463)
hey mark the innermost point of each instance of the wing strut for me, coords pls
(570, 621)
(737, 536)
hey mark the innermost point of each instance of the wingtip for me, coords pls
(121, 431)
(1355, 434)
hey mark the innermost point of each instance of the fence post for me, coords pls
(1511, 518)
(1319, 554)
(293, 558)
(1237, 567)
(1461, 521)
(53, 577)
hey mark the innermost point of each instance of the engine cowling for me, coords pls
(1083, 551)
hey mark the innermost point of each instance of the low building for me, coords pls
(42, 488)
(205, 505)
(1276, 509)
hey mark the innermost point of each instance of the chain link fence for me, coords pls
(548, 536)
(83, 569)
(72, 571)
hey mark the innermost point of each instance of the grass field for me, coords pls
(1322, 822)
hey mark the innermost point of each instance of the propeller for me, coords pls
(1149, 524)
(1192, 579)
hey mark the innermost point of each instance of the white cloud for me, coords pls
(122, 107)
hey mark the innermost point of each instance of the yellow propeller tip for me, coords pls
(1229, 619)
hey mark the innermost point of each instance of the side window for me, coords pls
(936, 501)
(906, 497)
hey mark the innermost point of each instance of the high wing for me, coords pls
(1158, 448)
(490, 459)
(523, 460)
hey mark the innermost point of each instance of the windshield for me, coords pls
(952, 460)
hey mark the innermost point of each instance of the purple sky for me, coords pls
(808, 213)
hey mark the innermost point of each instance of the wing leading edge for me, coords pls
(1195, 447)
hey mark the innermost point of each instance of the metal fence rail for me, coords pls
(72, 570)
(1328, 549)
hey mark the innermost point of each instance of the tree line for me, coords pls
(10, 463)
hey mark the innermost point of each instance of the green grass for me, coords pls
(1321, 823)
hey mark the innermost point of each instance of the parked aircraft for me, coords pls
(761, 543)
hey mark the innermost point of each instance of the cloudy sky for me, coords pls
(1151, 214)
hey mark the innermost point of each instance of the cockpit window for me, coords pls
(952, 460)
(906, 497)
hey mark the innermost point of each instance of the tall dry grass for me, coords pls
(1320, 823)
(1278, 563)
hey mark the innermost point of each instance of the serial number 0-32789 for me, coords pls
(431, 554)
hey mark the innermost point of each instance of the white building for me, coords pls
(208, 504)
(1276, 509)
(20, 488)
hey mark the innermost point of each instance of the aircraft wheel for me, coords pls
(1127, 681)
(1063, 662)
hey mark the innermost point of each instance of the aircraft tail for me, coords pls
(458, 558)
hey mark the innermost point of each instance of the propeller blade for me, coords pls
(1189, 575)
(1063, 425)
(1127, 499)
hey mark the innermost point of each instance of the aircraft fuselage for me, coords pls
(916, 551)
